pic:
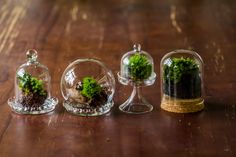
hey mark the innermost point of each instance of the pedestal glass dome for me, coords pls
(137, 70)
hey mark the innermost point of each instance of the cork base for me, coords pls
(181, 105)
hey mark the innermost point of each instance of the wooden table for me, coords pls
(64, 30)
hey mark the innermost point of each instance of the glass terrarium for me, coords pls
(87, 86)
(32, 88)
(137, 70)
(182, 82)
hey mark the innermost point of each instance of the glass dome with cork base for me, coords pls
(182, 82)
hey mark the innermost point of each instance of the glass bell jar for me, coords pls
(182, 82)
(137, 70)
(88, 86)
(32, 88)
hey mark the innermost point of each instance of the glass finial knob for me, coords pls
(32, 55)
(137, 47)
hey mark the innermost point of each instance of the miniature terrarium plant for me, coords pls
(139, 67)
(182, 79)
(88, 91)
(182, 82)
(32, 89)
(137, 70)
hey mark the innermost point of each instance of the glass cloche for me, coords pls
(137, 70)
(32, 88)
(182, 82)
(87, 86)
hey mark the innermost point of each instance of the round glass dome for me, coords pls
(182, 82)
(136, 67)
(32, 88)
(88, 86)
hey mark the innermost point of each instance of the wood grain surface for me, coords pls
(65, 30)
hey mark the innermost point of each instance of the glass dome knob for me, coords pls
(137, 47)
(32, 55)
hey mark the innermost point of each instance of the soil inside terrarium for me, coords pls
(33, 100)
(189, 87)
(97, 101)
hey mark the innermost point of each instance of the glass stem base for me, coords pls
(136, 103)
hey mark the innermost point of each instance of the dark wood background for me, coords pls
(64, 30)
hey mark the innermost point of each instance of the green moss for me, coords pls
(181, 78)
(29, 84)
(178, 68)
(90, 87)
(139, 67)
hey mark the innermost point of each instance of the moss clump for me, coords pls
(29, 84)
(178, 68)
(91, 93)
(181, 78)
(90, 88)
(140, 68)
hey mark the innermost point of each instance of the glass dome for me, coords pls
(182, 82)
(137, 70)
(88, 86)
(136, 67)
(32, 88)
